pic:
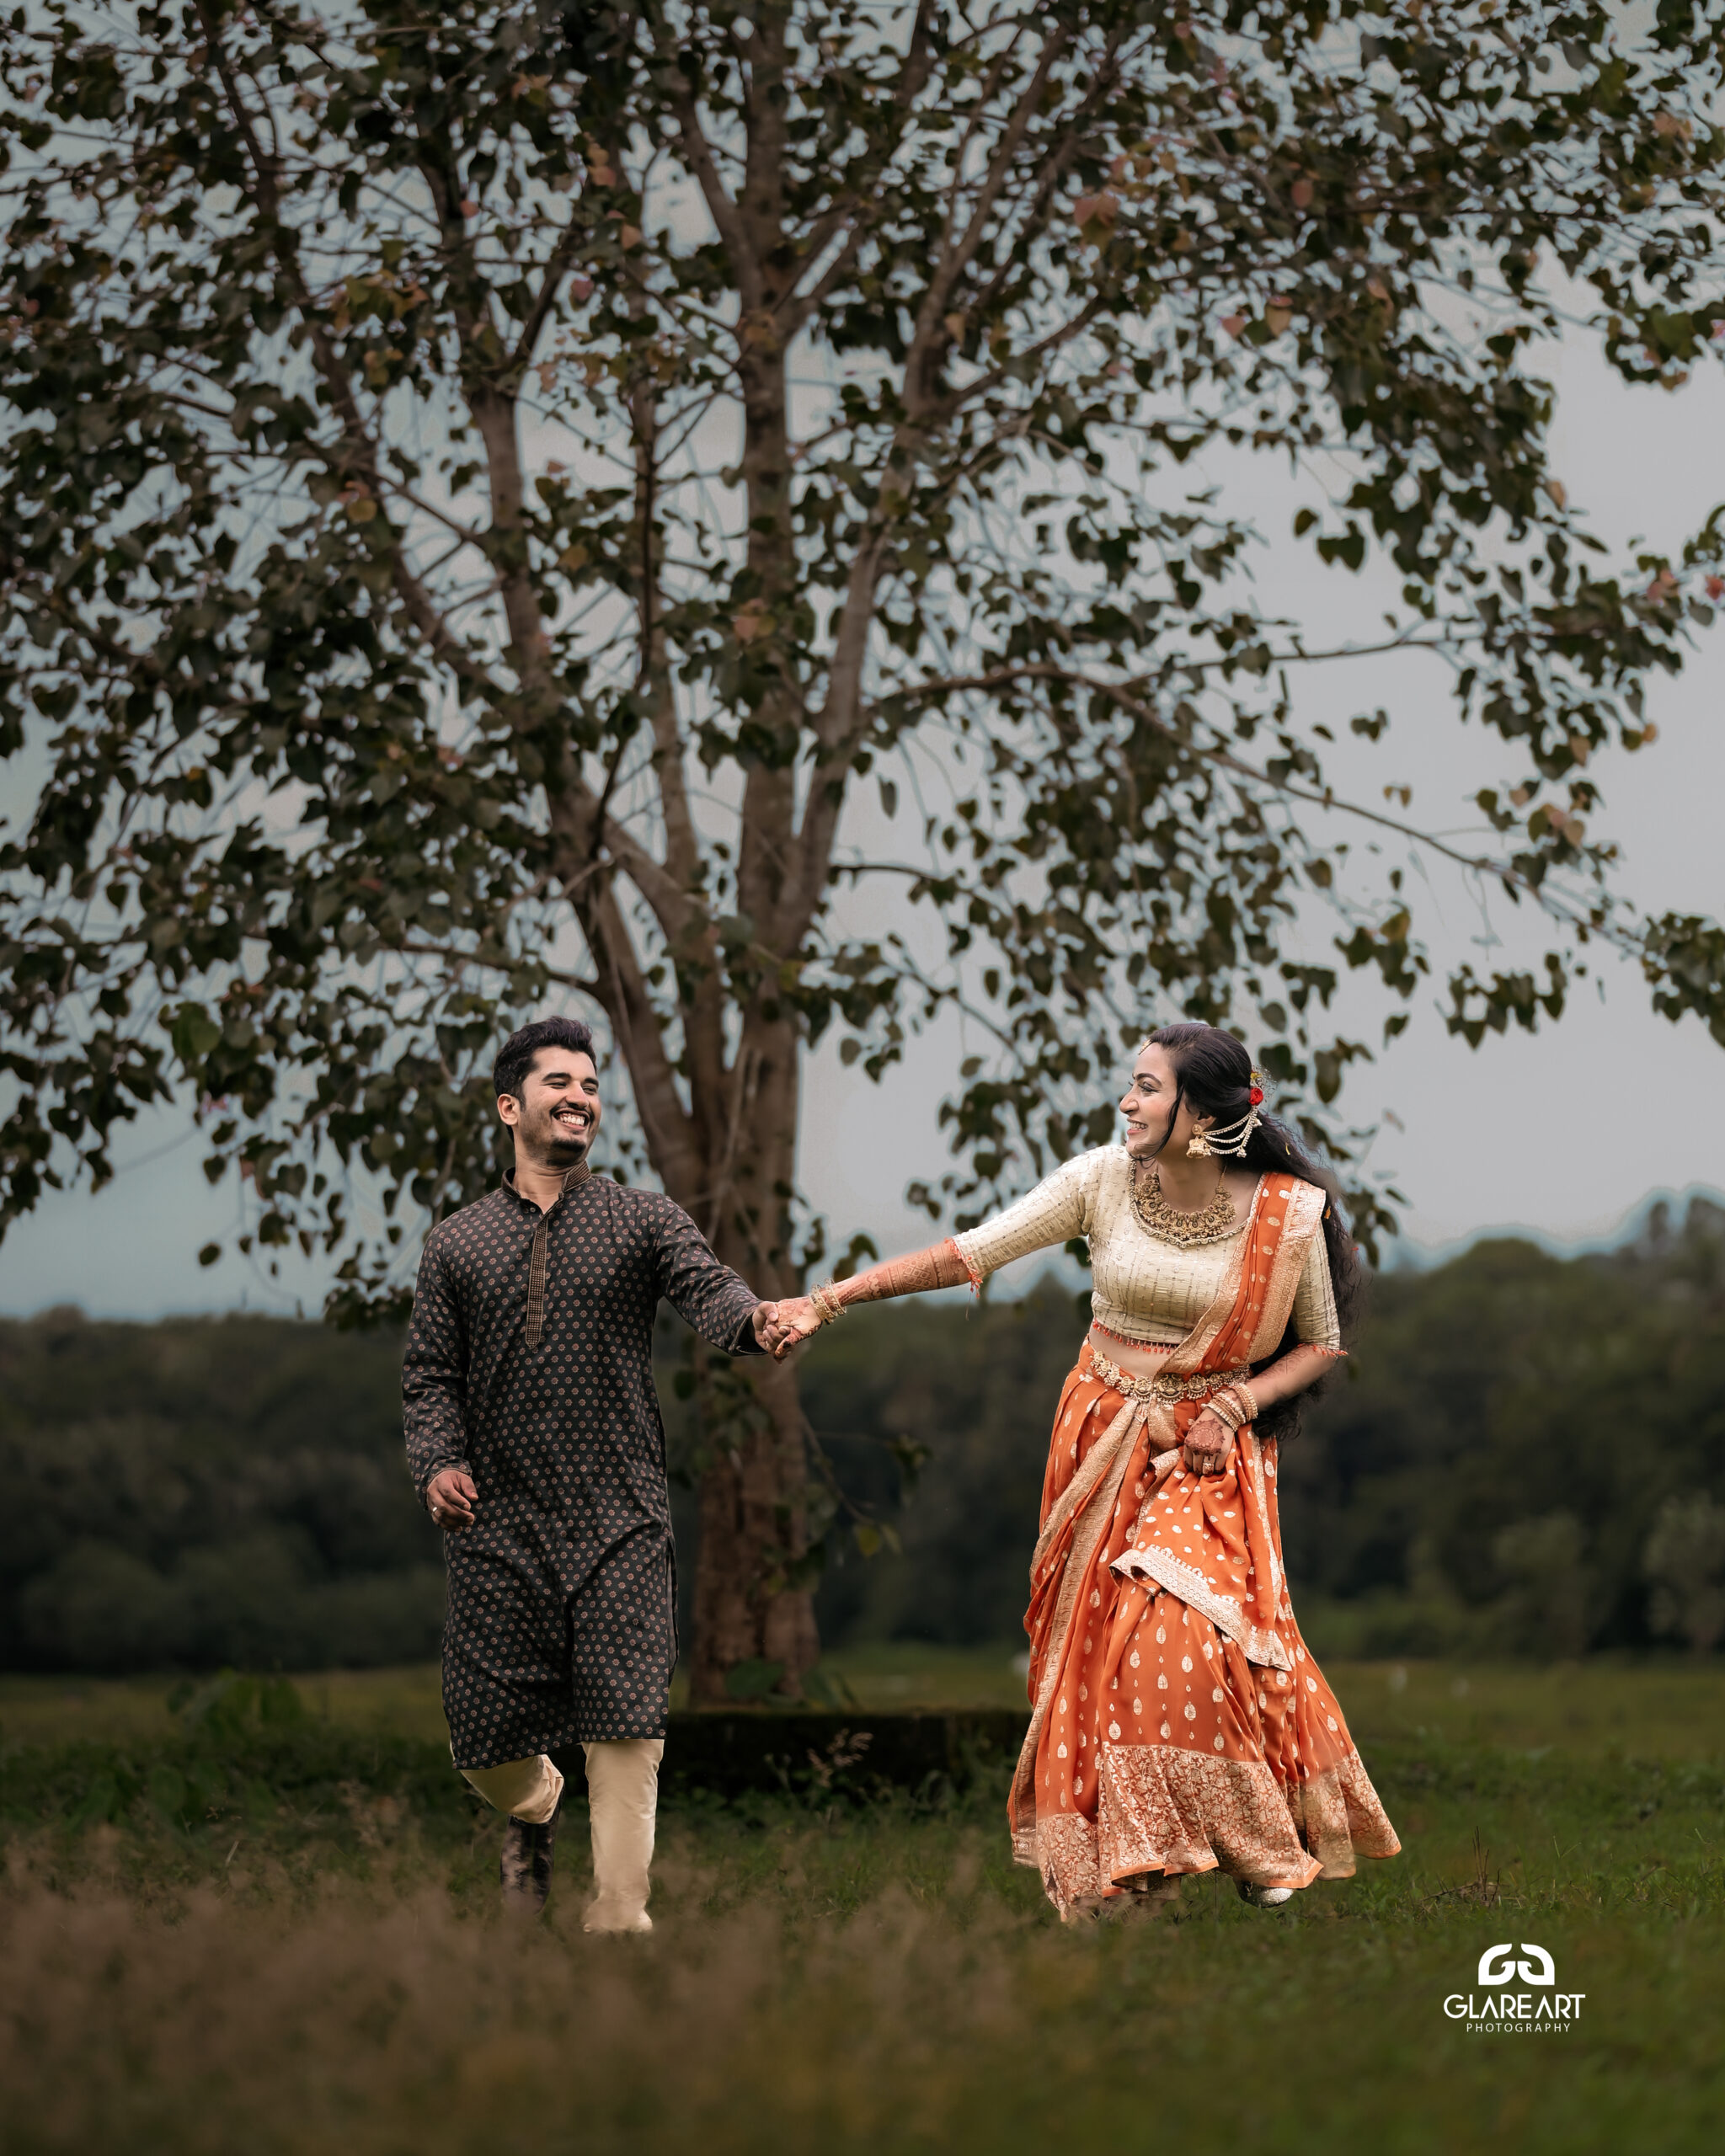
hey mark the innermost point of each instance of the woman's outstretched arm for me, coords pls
(939, 1265)
(1053, 1213)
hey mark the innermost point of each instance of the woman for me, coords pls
(1178, 1722)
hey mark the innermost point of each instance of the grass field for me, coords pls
(269, 1924)
(1656, 1709)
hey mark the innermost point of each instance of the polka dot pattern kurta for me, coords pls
(561, 1626)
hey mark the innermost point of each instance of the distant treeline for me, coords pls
(208, 1491)
(1527, 1455)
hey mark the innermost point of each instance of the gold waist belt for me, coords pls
(1166, 1385)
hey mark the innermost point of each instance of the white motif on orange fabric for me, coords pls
(1288, 1734)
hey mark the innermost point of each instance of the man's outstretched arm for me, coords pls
(718, 1304)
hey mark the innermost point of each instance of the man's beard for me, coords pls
(563, 1143)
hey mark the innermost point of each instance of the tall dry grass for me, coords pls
(379, 2017)
(273, 1941)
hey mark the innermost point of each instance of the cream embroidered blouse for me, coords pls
(1145, 1289)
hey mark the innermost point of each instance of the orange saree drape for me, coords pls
(1178, 1722)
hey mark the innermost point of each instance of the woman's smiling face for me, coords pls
(1149, 1100)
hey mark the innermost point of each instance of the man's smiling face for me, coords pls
(554, 1121)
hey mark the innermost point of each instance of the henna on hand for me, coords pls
(1207, 1455)
(938, 1266)
(797, 1319)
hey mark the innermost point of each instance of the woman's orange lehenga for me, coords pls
(1178, 1722)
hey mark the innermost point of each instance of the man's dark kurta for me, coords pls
(560, 1623)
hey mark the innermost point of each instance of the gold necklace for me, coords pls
(1157, 1217)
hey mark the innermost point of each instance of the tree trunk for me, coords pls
(752, 1530)
(750, 1605)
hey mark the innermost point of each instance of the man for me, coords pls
(534, 1439)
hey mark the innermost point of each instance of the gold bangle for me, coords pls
(1225, 1406)
(827, 1303)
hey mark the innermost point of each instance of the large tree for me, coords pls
(483, 485)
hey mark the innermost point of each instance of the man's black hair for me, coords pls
(514, 1059)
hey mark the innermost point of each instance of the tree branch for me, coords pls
(671, 1139)
(724, 211)
(362, 455)
(919, 60)
(1144, 715)
(453, 954)
(562, 258)
(955, 255)
(682, 844)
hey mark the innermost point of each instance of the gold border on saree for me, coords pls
(1166, 1385)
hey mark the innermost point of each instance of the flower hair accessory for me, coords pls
(1232, 1139)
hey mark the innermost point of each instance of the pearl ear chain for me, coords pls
(1232, 1139)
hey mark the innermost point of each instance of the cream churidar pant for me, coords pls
(622, 1791)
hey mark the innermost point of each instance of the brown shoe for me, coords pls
(524, 1867)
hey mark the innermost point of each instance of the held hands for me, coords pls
(779, 1326)
(451, 1498)
(798, 1320)
(1209, 1448)
(793, 1320)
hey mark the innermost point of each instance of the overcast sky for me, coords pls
(1564, 1134)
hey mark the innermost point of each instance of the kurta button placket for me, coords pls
(535, 1261)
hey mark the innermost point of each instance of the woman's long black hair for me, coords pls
(1213, 1072)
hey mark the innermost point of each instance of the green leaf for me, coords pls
(194, 1032)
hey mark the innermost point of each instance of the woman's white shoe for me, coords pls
(1264, 1898)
